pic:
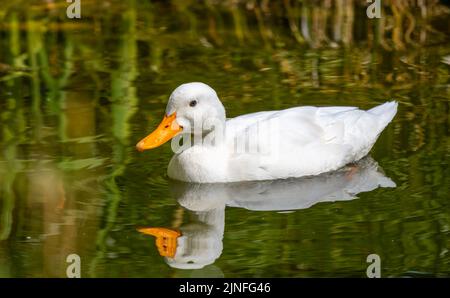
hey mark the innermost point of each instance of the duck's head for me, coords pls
(192, 108)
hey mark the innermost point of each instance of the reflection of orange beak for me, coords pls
(166, 240)
(167, 129)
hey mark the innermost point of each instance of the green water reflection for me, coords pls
(76, 95)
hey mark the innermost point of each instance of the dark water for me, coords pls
(76, 96)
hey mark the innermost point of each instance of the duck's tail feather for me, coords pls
(385, 113)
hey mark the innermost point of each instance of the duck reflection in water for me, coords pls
(199, 242)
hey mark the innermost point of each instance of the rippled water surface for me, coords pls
(76, 96)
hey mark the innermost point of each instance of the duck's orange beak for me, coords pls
(166, 240)
(167, 129)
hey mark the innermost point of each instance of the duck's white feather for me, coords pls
(295, 142)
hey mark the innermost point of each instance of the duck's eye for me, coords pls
(193, 103)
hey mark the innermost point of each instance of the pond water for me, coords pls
(77, 95)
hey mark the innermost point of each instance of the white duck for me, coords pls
(295, 142)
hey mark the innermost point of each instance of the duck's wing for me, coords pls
(300, 141)
(301, 125)
(357, 128)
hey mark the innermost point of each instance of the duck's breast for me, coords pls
(201, 164)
